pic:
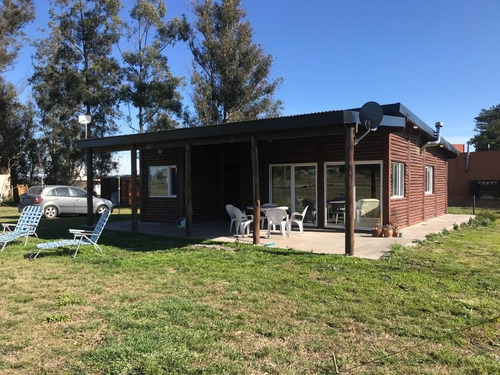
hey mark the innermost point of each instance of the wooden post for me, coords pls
(90, 187)
(349, 189)
(187, 191)
(133, 186)
(256, 191)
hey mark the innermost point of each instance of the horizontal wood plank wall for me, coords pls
(208, 163)
(416, 206)
(161, 209)
(398, 207)
(436, 203)
(417, 182)
(240, 155)
(206, 172)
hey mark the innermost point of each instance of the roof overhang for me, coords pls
(316, 124)
(398, 109)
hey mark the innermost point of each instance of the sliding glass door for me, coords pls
(367, 194)
(294, 186)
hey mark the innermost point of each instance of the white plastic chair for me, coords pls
(277, 216)
(230, 211)
(298, 218)
(243, 221)
(367, 207)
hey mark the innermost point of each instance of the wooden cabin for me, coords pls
(400, 170)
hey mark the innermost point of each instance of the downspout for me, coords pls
(467, 161)
(437, 141)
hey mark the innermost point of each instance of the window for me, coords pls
(398, 180)
(77, 193)
(429, 180)
(162, 181)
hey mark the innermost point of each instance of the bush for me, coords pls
(486, 218)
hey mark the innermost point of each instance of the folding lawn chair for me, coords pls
(26, 226)
(81, 237)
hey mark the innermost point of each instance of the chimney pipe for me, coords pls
(467, 161)
(436, 141)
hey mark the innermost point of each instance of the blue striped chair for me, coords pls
(26, 226)
(80, 237)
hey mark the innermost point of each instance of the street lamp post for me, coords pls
(85, 120)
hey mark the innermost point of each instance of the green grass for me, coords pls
(158, 305)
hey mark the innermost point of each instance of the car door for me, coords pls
(79, 198)
(60, 197)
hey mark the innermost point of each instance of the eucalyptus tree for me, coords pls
(16, 128)
(488, 130)
(231, 74)
(16, 119)
(76, 73)
(14, 16)
(151, 88)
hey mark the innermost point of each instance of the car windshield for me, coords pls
(35, 190)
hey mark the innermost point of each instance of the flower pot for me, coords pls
(376, 232)
(395, 233)
(388, 232)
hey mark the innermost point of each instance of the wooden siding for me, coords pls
(416, 206)
(212, 163)
(161, 209)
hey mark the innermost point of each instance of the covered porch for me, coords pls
(318, 241)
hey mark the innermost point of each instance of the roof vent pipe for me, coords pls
(467, 161)
(436, 141)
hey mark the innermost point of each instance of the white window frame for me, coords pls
(429, 180)
(168, 172)
(397, 180)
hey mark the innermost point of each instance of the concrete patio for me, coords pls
(313, 240)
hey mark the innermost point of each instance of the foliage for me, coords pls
(14, 15)
(153, 305)
(75, 73)
(151, 87)
(16, 128)
(488, 129)
(230, 73)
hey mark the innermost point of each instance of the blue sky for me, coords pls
(439, 58)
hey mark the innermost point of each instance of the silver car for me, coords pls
(57, 199)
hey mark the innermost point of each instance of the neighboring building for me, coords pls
(298, 161)
(118, 189)
(474, 175)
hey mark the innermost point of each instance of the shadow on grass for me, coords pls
(56, 252)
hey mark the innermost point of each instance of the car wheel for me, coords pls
(50, 212)
(101, 209)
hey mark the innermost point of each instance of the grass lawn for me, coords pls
(158, 305)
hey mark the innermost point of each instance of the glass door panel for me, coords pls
(281, 185)
(335, 194)
(294, 186)
(304, 192)
(367, 196)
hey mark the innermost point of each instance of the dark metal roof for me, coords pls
(323, 123)
(398, 108)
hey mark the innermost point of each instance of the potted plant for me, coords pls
(377, 229)
(387, 230)
(395, 227)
